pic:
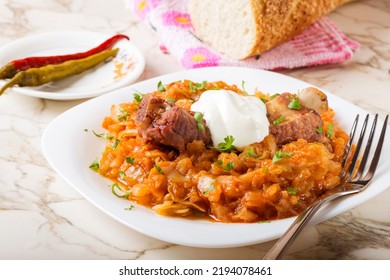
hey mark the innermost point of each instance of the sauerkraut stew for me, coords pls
(162, 154)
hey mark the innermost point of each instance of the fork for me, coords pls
(352, 181)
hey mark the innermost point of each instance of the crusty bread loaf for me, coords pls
(243, 28)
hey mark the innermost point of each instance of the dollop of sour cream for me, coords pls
(229, 114)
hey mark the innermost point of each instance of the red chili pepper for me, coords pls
(10, 69)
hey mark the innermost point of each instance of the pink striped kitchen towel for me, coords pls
(321, 43)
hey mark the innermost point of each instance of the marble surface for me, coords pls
(42, 217)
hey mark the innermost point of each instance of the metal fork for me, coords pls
(352, 181)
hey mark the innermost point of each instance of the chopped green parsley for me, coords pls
(95, 165)
(158, 168)
(138, 97)
(160, 87)
(226, 167)
(279, 120)
(227, 145)
(199, 121)
(329, 131)
(291, 191)
(169, 99)
(251, 153)
(295, 104)
(130, 160)
(131, 207)
(197, 86)
(115, 144)
(279, 155)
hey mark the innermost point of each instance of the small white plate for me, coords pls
(121, 71)
(70, 150)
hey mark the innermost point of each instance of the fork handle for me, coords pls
(281, 246)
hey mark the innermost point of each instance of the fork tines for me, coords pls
(351, 173)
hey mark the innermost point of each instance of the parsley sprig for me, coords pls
(130, 160)
(226, 167)
(95, 165)
(295, 104)
(160, 87)
(198, 116)
(329, 131)
(138, 97)
(251, 153)
(227, 145)
(279, 120)
(279, 155)
(197, 86)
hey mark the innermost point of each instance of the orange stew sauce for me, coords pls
(238, 187)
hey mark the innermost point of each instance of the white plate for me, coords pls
(70, 150)
(124, 69)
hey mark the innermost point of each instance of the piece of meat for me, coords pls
(287, 125)
(161, 122)
(151, 107)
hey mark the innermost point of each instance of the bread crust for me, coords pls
(280, 20)
(276, 21)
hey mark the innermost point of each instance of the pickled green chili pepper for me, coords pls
(54, 72)
(10, 69)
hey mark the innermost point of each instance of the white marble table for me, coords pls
(42, 217)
